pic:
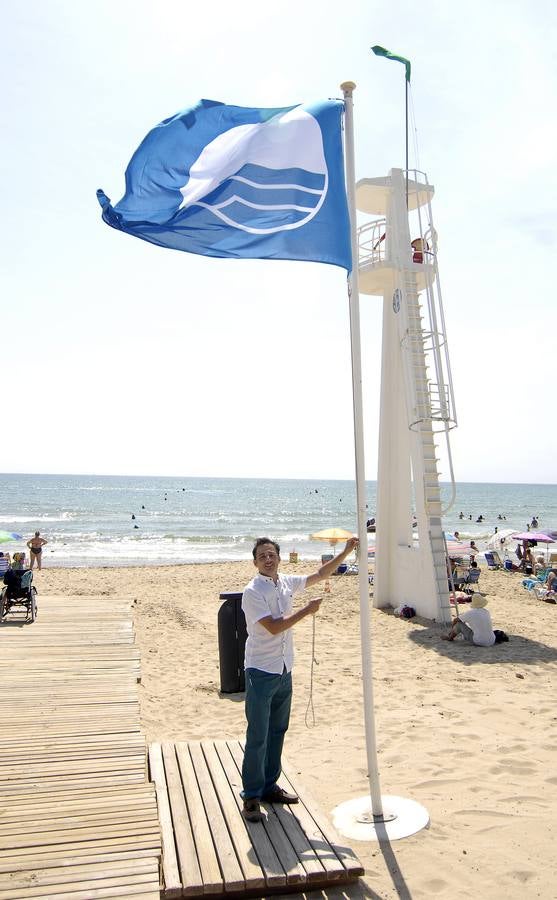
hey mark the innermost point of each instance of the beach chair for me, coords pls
(460, 577)
(472, 577)
(542, 593)
(492, 563)
(542, 574)
(530, 584)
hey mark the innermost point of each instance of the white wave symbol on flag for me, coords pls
(245, 176)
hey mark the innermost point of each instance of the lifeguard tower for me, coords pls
(398, 261)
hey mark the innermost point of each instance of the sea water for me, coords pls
(92, 520)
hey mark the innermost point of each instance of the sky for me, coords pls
(120, 357)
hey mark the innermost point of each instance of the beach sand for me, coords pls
(470, 733)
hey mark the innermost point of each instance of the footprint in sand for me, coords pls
(523, 876)
(524, 799)
(517, 768)
(435, 885)
(440, 783)
(483, 813)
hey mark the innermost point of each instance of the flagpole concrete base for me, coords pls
(401, 818)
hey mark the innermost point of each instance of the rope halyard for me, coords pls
(310, 711)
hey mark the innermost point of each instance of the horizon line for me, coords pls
(251, 478)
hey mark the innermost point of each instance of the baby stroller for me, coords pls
(19, 591)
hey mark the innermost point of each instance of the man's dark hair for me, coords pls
(264, 540)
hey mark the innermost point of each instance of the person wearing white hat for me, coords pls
(474, 624)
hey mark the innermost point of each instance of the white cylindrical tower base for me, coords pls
(401, 818)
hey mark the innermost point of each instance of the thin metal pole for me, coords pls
(406, 132)
(354, 302)
(406, 123)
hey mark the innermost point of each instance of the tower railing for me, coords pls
(372, 242)
(432, 330)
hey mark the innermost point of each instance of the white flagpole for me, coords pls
(389, 817)
(354, 301)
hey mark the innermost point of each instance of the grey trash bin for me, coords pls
(232, 641)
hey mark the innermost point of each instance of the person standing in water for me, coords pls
(36, 545)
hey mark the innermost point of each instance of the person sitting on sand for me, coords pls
(474, 624)
(18, 561)
(551, 581)
(36, 545)
(453, 572)
(528, 561)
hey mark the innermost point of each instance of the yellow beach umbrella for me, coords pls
(332, 535)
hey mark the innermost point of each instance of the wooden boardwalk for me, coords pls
(78, 816)
(79, 819)
(209, 849)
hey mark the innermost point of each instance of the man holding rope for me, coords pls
(267, 605)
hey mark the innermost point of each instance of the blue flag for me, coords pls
(232, 181)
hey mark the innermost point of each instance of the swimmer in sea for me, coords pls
(36, 545)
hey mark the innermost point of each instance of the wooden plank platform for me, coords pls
(78, 816)
(210, 850)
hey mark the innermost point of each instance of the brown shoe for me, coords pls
(252, 810)
(278, 795)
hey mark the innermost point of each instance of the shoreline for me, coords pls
(101, 521)
(468, 732)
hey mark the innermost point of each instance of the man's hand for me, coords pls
(313, 605)
(351, 544)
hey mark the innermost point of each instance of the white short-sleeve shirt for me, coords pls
(479, 620)
(262, 597)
